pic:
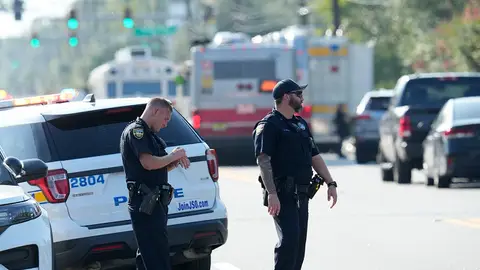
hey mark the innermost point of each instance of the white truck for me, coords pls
(336, 70)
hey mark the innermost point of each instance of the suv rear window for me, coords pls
(437, 91)
(25, 141)
(378, 103)
(98, 133)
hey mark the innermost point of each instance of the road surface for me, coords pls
(374, 226)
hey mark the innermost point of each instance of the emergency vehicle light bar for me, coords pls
(267, 86)
(37, 100)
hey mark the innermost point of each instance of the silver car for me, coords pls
(365, 131)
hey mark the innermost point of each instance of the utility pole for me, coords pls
(336, 15)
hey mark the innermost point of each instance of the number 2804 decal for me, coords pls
(84, 181)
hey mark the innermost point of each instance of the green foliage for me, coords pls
(410, 35)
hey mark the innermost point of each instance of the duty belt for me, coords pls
(142, 189)
(150, 198)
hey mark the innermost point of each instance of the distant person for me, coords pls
(342, 127)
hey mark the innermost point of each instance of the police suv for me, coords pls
(25, 231)
(85, 192)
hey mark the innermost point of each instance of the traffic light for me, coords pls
(72, 22)
(34, 41)
(73, 39)
(18, 9)
(127, 18)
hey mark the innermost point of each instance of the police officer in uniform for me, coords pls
(146, 165)
(285, 152)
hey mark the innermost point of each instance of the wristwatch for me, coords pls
(333, 183)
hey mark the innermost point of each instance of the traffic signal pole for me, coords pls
(336, 15)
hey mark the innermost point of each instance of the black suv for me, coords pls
(416, 102)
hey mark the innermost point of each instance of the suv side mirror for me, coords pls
(26, 170)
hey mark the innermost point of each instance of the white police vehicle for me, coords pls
(85, 192)
(25, 232)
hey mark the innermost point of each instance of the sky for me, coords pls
(33, 9)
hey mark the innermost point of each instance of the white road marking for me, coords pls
(224, 266)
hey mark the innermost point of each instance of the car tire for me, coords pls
(443, 181)
(429, 181)
(402, 172)
(204, 263)
(361, 158)
(386, 172)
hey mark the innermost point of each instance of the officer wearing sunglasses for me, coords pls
(286, 152)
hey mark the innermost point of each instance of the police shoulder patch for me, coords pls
(138, 132)
(259, 128)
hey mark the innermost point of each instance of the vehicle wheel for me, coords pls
(402, 172)
(361, 157)
(443, 181)
(199, 264)
(429, 181)
(385, 168)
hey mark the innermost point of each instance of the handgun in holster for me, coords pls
(150, 199)
(314, 186)
(166, 194)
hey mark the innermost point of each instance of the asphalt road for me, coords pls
(374, 226)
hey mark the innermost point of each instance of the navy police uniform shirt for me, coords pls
(138, 138)
(289, 143)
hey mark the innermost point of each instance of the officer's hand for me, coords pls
(273, 205)
(178, 153)
(332, 194)
(184, 162)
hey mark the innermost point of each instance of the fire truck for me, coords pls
(231, 89)
(336, 70)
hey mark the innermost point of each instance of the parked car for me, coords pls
(365, 135)
(25, 231)
(416, 102)
(452, 147)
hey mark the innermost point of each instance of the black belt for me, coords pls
(134, 186)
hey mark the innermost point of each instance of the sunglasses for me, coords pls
(297, 93)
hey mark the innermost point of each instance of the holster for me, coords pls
(314, 186)
(150, 198)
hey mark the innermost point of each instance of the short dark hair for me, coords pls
(160, 102)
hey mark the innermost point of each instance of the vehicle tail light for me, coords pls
(212, 161)
(119, 110)
(447, 78)
(307, 110)
(363, 117)
(458, 133)
(196, 120)
(55, 186)
(405, 127)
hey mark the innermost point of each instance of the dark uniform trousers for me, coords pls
(291, 225)
(151, 235)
